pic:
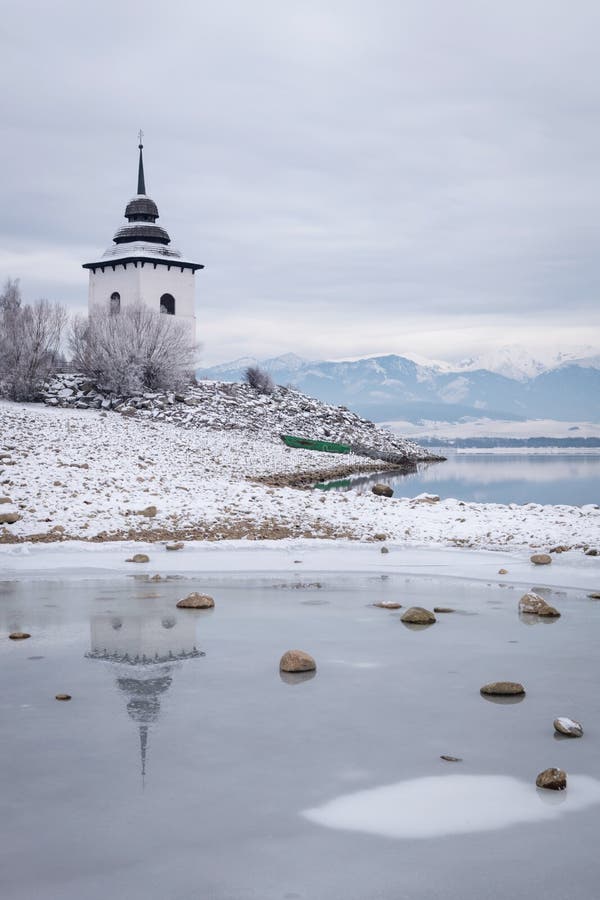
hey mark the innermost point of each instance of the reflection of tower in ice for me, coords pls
(144, 650)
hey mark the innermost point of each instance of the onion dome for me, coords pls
(141, 209)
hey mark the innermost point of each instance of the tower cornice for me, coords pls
(142, 260)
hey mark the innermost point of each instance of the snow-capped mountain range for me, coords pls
(518, 363)
(505, 384)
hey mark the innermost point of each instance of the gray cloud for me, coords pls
(356, 177)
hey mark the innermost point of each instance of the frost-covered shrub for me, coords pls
(30, 336)
(258, 379)
(133, 351)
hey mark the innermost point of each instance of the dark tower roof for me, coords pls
(141, 240)
(141, 209)
(141, 212)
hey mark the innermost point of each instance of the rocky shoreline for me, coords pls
(230, 530)
(306, 480)
(229, 406)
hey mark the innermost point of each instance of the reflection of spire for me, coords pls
(144, 650)
(143, 745)
(143, 683)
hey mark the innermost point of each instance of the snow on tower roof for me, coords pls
(143, 248)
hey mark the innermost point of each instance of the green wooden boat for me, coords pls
(307, 444)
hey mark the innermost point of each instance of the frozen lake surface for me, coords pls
(202, 773)
(553, 478)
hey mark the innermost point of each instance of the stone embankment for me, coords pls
(228, 406)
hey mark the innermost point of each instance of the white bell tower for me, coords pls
(141, 266)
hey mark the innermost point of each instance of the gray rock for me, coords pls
(567, 726)
(382, 490)
(541, 559)
(552, 780)
(416, 615)
(535, 605)
(297, 661)
(196, 601)
(503, 688)
(9, 518)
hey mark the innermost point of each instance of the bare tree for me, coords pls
(132, 351)
(10, 298)
(30, 336)
(260, 380)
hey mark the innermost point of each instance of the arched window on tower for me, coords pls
(167, 304)
(115, 303)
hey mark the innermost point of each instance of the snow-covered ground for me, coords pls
(223, 406)
(77, 474)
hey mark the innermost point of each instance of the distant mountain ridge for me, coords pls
(395, 387)
(518, 363)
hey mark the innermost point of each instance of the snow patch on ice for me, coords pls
(434, 806)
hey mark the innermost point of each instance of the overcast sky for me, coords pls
(357, 177)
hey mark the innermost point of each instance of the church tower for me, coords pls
(142, 267)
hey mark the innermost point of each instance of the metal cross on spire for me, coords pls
(141, 138)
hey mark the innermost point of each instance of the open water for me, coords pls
(186, 767)
(562, 478)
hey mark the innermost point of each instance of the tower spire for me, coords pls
(143, 729)
(141, 185)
